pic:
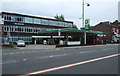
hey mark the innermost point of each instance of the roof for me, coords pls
(68, 29)
(35, 16)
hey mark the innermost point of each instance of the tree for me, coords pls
(61, 17)
(74, 26)
(56, 17)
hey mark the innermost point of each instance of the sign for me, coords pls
(87, 24)
(101, 35)
(13, 23)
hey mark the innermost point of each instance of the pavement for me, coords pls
(22, 61)
(37, 47)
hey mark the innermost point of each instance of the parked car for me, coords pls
(110, 42)
(20, 43)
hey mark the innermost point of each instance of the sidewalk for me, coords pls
(75, 47)
(37, 47)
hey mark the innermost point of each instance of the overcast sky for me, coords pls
(99, 10)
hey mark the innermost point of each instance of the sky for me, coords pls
(98, 11)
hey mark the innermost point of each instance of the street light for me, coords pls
(83, 3)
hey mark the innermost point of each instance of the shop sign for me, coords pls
(13, 23)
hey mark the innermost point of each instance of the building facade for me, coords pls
(25, 27)
(111, 30)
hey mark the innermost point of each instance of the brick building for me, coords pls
(111, 30)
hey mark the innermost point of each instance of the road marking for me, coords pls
(24, 59)
(65, 54)
(23, 52)
(9, 61)
(11, 53)
(106, 49)
(17, 53)
(51, 56)
(86, 52)
(69, 65)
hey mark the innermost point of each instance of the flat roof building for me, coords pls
(23, 27)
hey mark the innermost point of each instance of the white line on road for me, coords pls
(106, 49)
(9, 61)
(70, 65)
(11, 53)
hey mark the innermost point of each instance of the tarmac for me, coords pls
(38, 46)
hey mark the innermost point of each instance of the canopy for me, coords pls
(70, 29)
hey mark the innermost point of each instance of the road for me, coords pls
(101, 59)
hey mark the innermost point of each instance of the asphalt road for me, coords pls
(24, 61)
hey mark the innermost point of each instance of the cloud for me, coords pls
(71, 9)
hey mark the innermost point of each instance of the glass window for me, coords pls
(37, 21)
(5, 17)
(5, 28)
(54, 23)
(25, 29)
(28, 20)
(16, 28)
(12, 18)
(45, 22)
(18, 18)
(9, 17)
(69, 24)
(60, 24)
(35, 30)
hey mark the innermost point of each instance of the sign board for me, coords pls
(87, 24)
(101, 35)
(13, 23)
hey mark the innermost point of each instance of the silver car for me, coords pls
(20, 43)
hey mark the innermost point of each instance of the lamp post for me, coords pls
(83, 19)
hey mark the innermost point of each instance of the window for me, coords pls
(16, 29)
(28, 20)
(19, 19)
(70, 24)
(54, 23)
(5, 28)
(11, 29)
(45, 22)
(60, 24)
(7, 17)
(37, 21)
